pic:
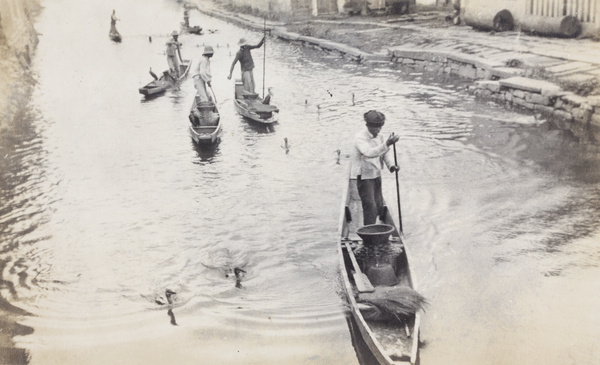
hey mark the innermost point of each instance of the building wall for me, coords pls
(485, 8)
(587, 11)
(274, 6)
(309, 7)
(428, 2)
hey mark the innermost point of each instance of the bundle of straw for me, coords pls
(395, 300)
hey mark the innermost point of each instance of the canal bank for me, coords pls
(18, 40)
(557, 79)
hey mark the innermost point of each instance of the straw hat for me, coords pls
(208, 50)
(243, 42)
(174, 33)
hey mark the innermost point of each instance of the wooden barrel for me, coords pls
(567, 26)
(499, 21)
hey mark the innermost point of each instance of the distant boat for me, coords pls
(251, 106)
(166, 81)
(196, 29)
(205, 121)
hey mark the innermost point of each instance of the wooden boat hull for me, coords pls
(115, 36)
(196, 29)
(388, 341)
(252, 108)
(246, 110)
(205, 122)
(165, 82)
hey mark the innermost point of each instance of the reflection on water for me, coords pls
(208, 153)
(107, 202)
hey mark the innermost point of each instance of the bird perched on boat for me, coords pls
(153, 74)
(239, 275)
(286, 146)
(172, 316)
(168, 298)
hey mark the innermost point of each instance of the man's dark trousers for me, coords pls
(371, 197)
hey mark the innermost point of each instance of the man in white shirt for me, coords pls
(172, 53)
(203, 76)
(368, 156)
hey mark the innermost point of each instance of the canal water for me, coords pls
(107, 204)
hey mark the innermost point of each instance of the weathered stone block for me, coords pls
(547, 110)
(373, 57)
(581, 114)
(537, 99)
(525, 84)
(307, 39)
(595, 120)
(498, 97)
(508, 96)
(410, 53)
(567, 107)
(573, 99)
(558, 104)
(468, 71)
(290, 36)
(594, 100)
(523, 103)
(563, 115)
(408, 61)
(493, 86)
(505, 72)
(552, 91)
(517, 93)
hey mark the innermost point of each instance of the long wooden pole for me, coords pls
(264, 54)
(398, 191)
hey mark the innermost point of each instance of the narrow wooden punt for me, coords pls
(205, 122)
(165, 82)
(251, 106)
(390, 342)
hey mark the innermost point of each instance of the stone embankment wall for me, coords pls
(18, 40)
(495, 81)
(492, 80)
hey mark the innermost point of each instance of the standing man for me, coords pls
(246, 63)
(173, 53)
(186, 18)
(113, 22)
(203, 77)
(368, 156)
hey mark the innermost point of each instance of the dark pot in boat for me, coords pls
(374, 234)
